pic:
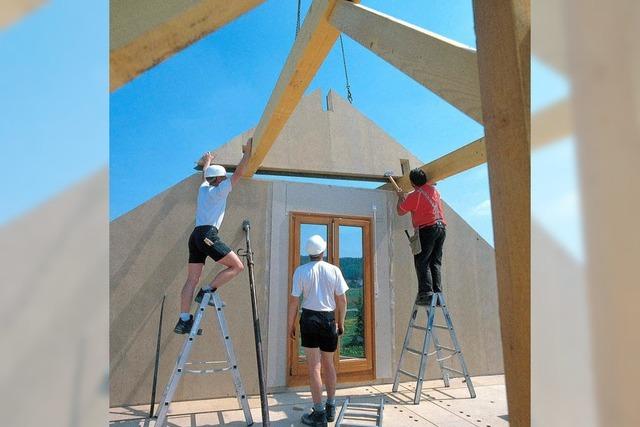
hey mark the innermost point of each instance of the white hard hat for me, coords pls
(316, 245)
(215, 170)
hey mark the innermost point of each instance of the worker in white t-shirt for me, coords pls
(324, 305)
(204, 240)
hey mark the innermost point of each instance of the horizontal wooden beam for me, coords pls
(315, 40)
(460, 160)
(144, 33)
(343, 176)
(446, 67)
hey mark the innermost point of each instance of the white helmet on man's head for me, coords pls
(214, 170)
(316, 245)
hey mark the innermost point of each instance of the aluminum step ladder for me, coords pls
(368, 412)
(429, 335)
(184, 366)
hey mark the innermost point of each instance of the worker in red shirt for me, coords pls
(427, 217)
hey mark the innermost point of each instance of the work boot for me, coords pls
(184, 326)
(315, 419)
(330, 411)
(424, 298)
(200, 295)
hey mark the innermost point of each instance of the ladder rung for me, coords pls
(454, 370)
(214, 362)
(446, 357)
(422, 328)
(364, 405)
(407, 374)
(441, 326)
(207, 371)
(362, 415)
(432, 353)
(442, 347)
(413, 350)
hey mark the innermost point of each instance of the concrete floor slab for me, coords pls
(439, 407)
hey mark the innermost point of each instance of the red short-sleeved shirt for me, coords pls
(423, 211)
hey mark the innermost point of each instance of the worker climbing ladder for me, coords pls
(184, 366)
(429, 336)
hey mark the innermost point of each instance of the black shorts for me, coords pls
(318, 329)
(204, 241)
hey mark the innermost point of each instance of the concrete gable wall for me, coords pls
(340, 141)
(148, 248)
(149, 255)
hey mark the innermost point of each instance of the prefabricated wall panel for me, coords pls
(148, 259)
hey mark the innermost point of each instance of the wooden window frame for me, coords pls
(347, 370)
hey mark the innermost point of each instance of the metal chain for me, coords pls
(298, 21)
(346, 75)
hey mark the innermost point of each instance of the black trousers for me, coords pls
(429, 261)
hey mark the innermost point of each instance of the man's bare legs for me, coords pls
(315, 375)
(321, 370)
(233, 267)
(193, 277)
(328, 374)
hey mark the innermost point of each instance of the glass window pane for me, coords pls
(306, 231)
(352, 266)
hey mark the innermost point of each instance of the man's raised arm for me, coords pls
(207, 158)
(246, 150)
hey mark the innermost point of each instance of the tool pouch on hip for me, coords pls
(414, 242)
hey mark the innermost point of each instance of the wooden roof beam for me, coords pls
(315, 40)
(143, 33)
(460, 160)
(446, 67)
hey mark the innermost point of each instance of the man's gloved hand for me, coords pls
(340, 330)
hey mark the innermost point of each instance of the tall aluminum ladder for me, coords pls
(183, 365)
(437, 301)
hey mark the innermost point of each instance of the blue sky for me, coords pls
(217, 88)
(55, 106)
(54, 114)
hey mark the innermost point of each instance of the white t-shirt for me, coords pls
(211, 203)
(318, 281)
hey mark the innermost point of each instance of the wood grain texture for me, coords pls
(502, 33)
(446, 67)
(133, 53)
(460, 160)
(315, 40)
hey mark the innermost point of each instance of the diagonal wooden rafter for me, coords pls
(144, 33)
(460, 160)
(447, 68)
(315, 40)
(12, 11)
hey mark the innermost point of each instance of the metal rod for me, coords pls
(246, 226)
(157, 362)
